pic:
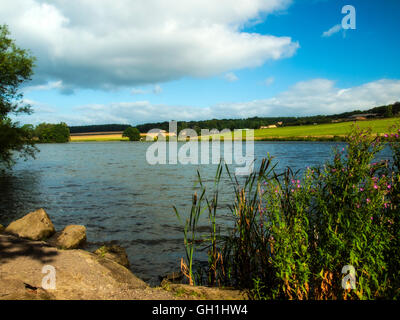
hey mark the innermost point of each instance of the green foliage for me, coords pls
(16, 67)
(52, 133)
(389, 111)
(132, 133)
(99, 128)
(292, 236)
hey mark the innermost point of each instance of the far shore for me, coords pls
(320, 132)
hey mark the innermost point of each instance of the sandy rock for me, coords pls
(187, 292)
(35, 225)
(71, 237)
(79, 274)
(14, 289)
(114, 253)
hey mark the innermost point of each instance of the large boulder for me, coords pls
(15, 289)
(114, 253)
(79, 274)
(35, 225)
(71, 237)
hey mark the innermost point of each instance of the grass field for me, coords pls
(331, 129)
(320, 132)
(325, 130)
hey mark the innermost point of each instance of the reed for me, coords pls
(293, 234)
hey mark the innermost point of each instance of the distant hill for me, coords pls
(250, 123)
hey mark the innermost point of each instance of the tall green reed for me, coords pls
(293, 234)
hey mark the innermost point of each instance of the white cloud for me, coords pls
(51, 85)
(270, 80)
(107, 44)
(336, 28)
(320, 96)
(317, 96)
(231, 77)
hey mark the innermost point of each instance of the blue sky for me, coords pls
(147, 61)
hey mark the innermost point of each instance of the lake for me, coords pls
(120, 198)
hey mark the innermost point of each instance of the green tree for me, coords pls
(132, 133)
(52, 133)
(16, 67)
(389, 111)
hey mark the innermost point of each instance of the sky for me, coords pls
(140, 61)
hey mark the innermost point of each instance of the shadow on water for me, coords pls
(18, 194)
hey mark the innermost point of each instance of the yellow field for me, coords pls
(92, 136)
(100, 137)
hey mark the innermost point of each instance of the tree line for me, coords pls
(98, 128)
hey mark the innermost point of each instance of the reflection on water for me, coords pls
(110, 188)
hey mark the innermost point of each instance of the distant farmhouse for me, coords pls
(269, 127)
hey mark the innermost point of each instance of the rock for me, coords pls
(115, 253)
(71, 237)
(15, 289)
(187, 292)
(79, 274)
(1, 228)
(35, 225)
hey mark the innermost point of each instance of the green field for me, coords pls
(325, 130)
(330, 131)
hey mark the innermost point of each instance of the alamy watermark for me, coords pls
(349, 280)
(49, 280)
(349, 20)
(206, 149)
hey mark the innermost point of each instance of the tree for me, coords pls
(16, 67)
(132, 133)
(389, 111)
(50, 133)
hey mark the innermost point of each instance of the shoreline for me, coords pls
(31, 249)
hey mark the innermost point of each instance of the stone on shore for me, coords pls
(79, 274)
(114, 253)
(35, 225)
(71, 237)
(187, 292)
(15, 289)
